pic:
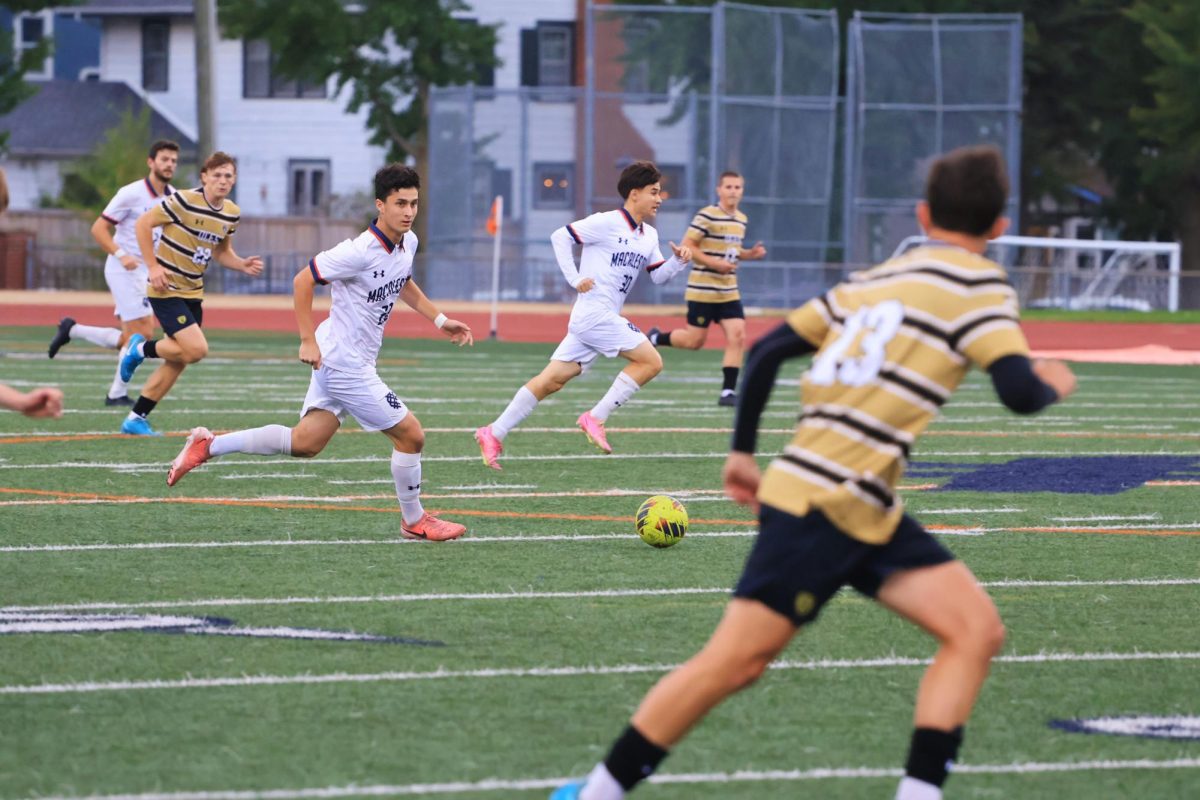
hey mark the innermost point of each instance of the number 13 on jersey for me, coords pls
(871, 328)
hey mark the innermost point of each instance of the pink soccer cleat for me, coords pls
(489, 446)
(194, 453)
(432, 529)
(594, 429)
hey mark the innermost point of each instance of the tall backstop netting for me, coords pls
(918, 85)
(697, 90)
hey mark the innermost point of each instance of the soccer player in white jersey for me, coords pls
(124, 271)
(617, 246)
(368, 273)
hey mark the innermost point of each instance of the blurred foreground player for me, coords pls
(891, 346)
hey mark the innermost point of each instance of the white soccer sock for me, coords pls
(521, 406)
(406, 472)
(119, 387)
(913, 789)
(102, 337)
(601, 785)
(618, 395)
(268, 440)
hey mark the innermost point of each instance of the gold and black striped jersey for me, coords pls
(718, 235)
(893, 344)
(191, 230)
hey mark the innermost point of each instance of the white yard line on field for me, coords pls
(228, 602)
(531, 784)
(86, 687)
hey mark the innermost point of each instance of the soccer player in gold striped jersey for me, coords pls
(891, 345)
(715, 235)
(197, 228)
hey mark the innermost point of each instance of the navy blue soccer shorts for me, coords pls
(799, 563)
(176, 313)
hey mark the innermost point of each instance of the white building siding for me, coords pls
(121, 60)
(31, 179)
(263, 134)
(515, 15)
(266, 133)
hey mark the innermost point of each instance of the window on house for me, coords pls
(548, 54)
(553, 185)
(30, 29)
(308, 188)
(259, 78)
(156, 35)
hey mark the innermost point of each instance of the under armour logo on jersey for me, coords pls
(393, 401)
(622, 240)
(377, 273)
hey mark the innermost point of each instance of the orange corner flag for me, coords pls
(493, 220)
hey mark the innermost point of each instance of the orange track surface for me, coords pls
(530, 322)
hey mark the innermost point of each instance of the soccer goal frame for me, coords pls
(1096, 266)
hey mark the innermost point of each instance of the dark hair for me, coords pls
(218, 159)
(967, 189)
(728, 174)
(395, 176)
(637, 175)
(163, 144)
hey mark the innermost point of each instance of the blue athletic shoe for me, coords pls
(132, 359)
(138, 426)
(568, 792)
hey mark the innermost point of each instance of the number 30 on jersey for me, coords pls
(876, 325)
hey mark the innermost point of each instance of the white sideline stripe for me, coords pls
(1107, 517)
(87, 687)
(530, 784)
(501, 539)
(229, 602)
(575, 537)
(302, 463)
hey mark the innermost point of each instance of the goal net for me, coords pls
(1082, 274)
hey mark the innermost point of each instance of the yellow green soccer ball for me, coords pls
(661, 521)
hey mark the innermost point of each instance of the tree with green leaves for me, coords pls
(1165, 171)
(117, 159)
(388, 54)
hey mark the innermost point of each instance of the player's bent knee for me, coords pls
(746, 672)
(305, 449)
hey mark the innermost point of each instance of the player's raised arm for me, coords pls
(102, 232)
(663, 271)
(741, 474)
(459, 332)
(45, 401)
(302, 303)
(226, 257)
(563, 242)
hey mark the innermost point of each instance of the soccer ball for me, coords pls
(661, 521)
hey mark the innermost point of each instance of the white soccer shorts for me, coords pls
(128, 287)
(363, 396)
(606, 337)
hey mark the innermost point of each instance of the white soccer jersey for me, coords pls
(129, 203)
(615, 252)
(367, 273)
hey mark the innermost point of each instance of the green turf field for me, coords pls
(523, 647)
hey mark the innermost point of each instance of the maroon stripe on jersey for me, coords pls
(574, 235)
(654, 266)
(150, 187)
(110, 219)
(316, 273)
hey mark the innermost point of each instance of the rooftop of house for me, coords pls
(69, 118)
